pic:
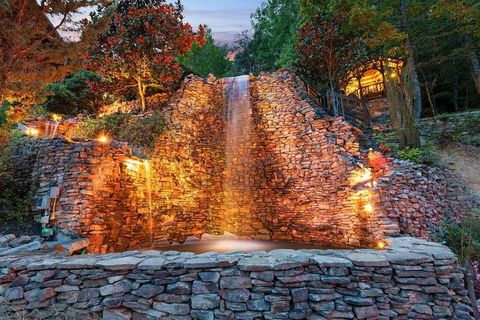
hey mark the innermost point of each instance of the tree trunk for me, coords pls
(455, 96)
(471, 289)
(429, 92)
(141, 94)
(415, 82)
(472, 55)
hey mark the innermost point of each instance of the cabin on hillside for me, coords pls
(362, 95)
(367, 82)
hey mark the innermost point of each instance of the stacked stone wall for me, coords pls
(299, 178)
(417, 198)
(309, 163)
(414, 279)
(98, 195)
(188, 163)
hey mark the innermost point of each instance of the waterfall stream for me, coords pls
(148, 180)
(237, 152)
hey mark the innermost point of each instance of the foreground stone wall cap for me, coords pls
(152, 264)
(368, 259)
(125, 263)
(87, 262)
(332, 262)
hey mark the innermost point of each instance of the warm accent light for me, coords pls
(368, 208)
(361, 176)
(103, 138)
(133, 165)
(34, 132)
(56, 117)
(381, 245)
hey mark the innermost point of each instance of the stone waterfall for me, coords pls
(239, 126)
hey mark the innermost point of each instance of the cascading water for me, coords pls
(236, 185)
(55, 128)
(148, 178)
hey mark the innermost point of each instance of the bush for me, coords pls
(74, 94)
(464, 237)
(15, 182)
(464, 240)
(468, 131)
(138, 130)
(3, 113)
(422, 155)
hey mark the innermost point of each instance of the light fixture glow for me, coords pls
(133, 165)
(381, 245)
(368, 208)
(103, 138)
(361, 176)
(34, 132)
(56, 117)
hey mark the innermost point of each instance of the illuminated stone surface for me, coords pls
(406, 281)
(298, 174)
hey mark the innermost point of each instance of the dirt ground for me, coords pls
(464, 161)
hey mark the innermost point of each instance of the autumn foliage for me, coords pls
(32, 52)
(326, 51)
(140, 48)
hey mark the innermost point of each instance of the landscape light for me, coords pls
(133, 165)
(368, 208)
(34, 132)
(103, 138)
(56, 117)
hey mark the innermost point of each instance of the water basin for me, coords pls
(238, 245)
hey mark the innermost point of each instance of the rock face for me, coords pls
(306, 177)
(417, 197)
(10, 244)
(98, 190)
(413, 279)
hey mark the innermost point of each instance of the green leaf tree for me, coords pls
(74, 94)
(272, 45)
(206, 59)
(466, 17)
(141, 46)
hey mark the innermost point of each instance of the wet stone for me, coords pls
(200, 287)
(235, 295)
(172, 308)
(116, 288)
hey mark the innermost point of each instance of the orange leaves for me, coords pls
(201, 36)
(143, 42)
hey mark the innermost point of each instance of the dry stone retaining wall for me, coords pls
(308, 162)
(98, 195)
(414, 279)
(418, 197)
(298, 178)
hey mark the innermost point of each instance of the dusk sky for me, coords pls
(226, 18)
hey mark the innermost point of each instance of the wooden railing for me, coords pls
(337, 104)
(372, 91)
(349, 107)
